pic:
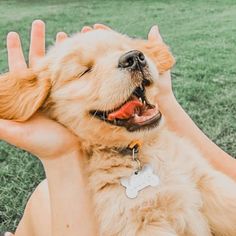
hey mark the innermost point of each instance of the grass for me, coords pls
(202, 35)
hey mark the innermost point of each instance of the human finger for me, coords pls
(101, 26)
(16, 60)
(86, 29)
(60, 37)
(154, 34)
(8, 234)
(37, 41)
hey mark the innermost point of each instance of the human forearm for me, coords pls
(71, 206)
(179, 122)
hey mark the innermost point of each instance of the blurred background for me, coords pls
(201, 34)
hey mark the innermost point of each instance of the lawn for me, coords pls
(201, 34)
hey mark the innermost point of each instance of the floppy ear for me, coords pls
(160, 54)
(21, 95)
(157, 50)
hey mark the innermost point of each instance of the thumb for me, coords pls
(154, 34)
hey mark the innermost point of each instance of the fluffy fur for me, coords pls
(80, 75)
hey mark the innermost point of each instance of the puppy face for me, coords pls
(104, 85)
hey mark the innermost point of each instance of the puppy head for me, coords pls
(101, 85)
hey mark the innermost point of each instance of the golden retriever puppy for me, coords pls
(145, 180)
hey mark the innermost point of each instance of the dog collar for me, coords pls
(142, 177)
(133, 150)
(134, 146)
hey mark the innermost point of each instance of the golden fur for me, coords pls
(192, 199)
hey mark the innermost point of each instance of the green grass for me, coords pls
(202, 35)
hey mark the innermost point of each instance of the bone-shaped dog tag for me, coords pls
(140, 180)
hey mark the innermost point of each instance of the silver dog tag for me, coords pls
(140, 180)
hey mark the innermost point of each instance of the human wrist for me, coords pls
(62, 162)
(69, 194)
(171, 111)
(167, 102)
(64, 170)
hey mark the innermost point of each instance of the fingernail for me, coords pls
(61, 34)
(155, 28)
(12, 34)
(8, 234)
(38, 22)
(86, 29)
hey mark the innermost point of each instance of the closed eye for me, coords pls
(86, 71)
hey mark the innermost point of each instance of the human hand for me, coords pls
(16, 60)
(39, 135)
(164, 83)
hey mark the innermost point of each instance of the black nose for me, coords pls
(132, 60)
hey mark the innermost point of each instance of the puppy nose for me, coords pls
(132, 60)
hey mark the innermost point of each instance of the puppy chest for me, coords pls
(169, 201)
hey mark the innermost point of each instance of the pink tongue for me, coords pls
(126, 111)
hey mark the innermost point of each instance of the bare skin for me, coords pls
(47, 213)
(60, 217)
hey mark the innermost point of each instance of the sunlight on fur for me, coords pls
(91, 84)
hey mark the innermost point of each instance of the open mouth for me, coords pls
(134, 114)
